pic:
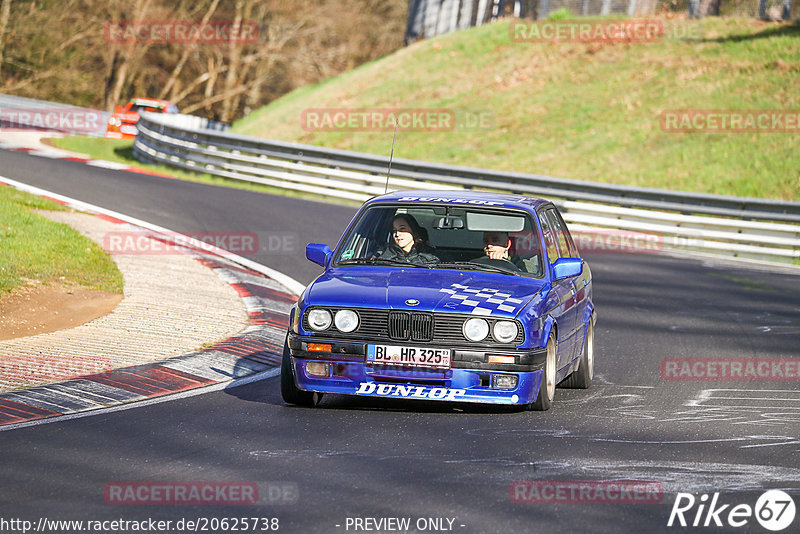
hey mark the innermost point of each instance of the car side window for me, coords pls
(558, 227)
(573, 249)
(549, 238)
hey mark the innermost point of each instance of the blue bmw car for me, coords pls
(457, 296)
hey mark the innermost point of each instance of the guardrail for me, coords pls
(92, 121)
(748, 227)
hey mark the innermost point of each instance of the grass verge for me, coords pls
(36, 248)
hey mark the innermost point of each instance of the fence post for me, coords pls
(544, 9)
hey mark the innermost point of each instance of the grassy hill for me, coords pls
(588, 111)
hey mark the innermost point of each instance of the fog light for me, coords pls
(339, 369)
(319, 347)
(500, 358)
(322, 369)
(504, 381)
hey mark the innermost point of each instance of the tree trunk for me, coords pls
(645, 7)
(5, 13)
(786, 13)
(130, 56)
(214, 69)
(709, 8)
(234, 77)
(108, 104)
(188, 49)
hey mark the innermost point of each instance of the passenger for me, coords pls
(409, 242)
(496, 245)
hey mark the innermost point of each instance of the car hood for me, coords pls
(435, 290)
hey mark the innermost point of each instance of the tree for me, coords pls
(5, 12)
(709, 8)
(126, 59)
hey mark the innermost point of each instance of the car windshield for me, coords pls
(141, 107)
(444, 237)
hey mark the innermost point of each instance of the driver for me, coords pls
(496, 245)
(408, 242)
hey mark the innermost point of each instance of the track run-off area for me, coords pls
(658, 431)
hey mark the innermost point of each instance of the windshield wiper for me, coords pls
(381, 261)
(471, 265)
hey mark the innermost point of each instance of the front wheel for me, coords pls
(547, 388)
(289, 391)
(581, 378)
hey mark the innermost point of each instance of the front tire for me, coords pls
(289, 391)
(581, 378)
(547, 388)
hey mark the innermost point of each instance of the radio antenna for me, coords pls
(385, 189)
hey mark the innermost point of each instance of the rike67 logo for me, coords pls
(774, 510)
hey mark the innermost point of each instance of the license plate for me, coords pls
(411, 356)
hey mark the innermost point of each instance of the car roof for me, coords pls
(462, 197)
(151, 102)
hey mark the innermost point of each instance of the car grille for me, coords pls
(385, 325)
(414, 326)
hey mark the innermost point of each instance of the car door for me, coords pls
(564, 312)
(582, 282)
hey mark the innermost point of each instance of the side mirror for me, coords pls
(117, 109)
(319, 253)
(567, 268)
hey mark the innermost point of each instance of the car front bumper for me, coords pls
(470, 377)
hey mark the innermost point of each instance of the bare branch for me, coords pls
(187, 51)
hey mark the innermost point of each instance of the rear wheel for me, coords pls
(547, 388)
(289, 391)
(581, 378)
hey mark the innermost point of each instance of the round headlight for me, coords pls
(319, 319)
(505, 331)
(346, 320)
(476, 329)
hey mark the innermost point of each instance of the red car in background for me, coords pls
(122, 123)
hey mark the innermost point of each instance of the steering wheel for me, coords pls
(503, 263)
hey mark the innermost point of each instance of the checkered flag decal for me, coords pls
(482, 301)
